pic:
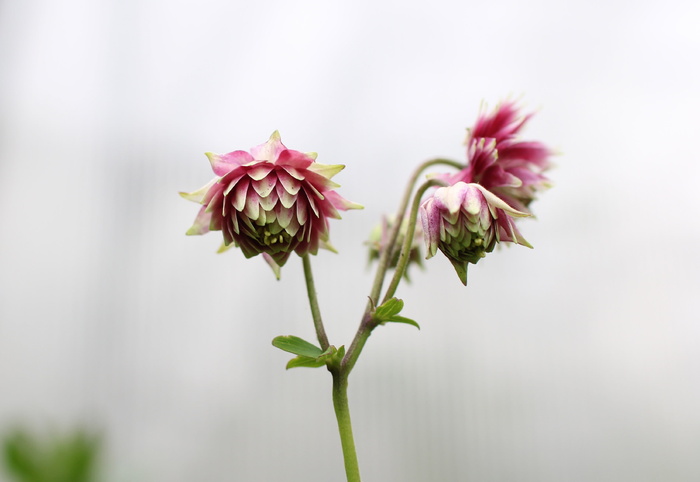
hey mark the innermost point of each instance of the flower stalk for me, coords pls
(313, 303)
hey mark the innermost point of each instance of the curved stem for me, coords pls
(393, 235)
(367, 324)
(313, 302)
(408, 239)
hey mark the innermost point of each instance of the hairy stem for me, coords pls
(342, 414)
(313, 302)
(394, 233)
(408, 240)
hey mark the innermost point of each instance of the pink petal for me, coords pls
(223, 164)
(201, 223)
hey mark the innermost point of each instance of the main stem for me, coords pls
(341, 371)
(342, 414)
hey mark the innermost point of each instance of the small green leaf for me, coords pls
(294, 344)
(388, 309)
(401, 319)
(331, 354)
(305, 361)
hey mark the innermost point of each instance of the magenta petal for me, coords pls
(252, 205)
(290, 184)
(268, 203)
(286, 198)
(240, 194)
(264, 186)
(201, 223)
(225, 163)
(259, 171)
(297, 160)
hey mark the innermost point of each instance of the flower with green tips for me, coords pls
(271, 201)
(466, 221)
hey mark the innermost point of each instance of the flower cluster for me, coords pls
(271, 201)
(478, 207)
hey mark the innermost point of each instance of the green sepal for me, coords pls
(294, 344)
(388, 313)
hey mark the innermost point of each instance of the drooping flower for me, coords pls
(466, 221)
(501, 162)
(271, 201)
(379, 239)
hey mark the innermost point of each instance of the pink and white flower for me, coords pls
(501, 162)
(271, 201)
(466, 221)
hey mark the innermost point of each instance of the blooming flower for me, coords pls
(510, 168)
(271, 201)
(466, 221)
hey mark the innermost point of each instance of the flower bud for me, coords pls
(379, 239)
(466, 221)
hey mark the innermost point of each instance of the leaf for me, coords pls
(305, 361)
(388, 309)
(332, 354)
(402, 319)
(294, 344)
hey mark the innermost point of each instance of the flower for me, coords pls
(510, 168)
(379, 238)
(271, 201)
(466, 221)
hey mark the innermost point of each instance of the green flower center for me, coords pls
(272, 235)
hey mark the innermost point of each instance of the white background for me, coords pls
(575, 361)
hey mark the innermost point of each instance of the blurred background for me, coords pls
(577, 361)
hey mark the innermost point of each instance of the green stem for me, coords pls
(404, 256)
(367, 324)
(342, 414)
(313, 302)
(394, 233)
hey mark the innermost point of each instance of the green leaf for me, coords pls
(305, 361)
(332, 354)
(388, 309)
(294, 344)
(401, 319)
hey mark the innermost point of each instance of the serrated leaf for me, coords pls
(388, 309)
(305, 361)
(402, 319)
(294, 344)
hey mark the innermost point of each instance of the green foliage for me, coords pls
(309, 355)
(68, 458)
(389, 311)
(296, 345)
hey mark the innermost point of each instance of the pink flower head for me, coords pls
(510, 168)
(466, 221)
(271, 200)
